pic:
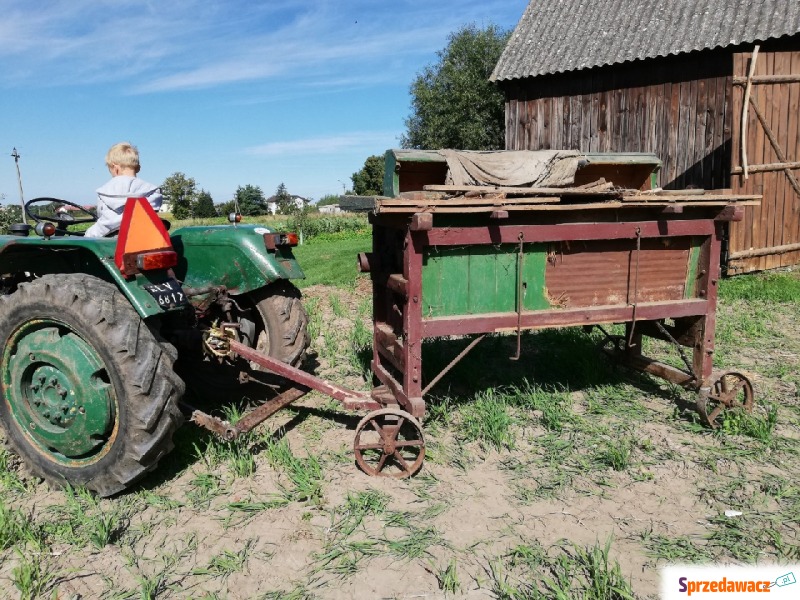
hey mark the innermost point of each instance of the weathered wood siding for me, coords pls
(687, 111)
(676, 108)
(775, 225)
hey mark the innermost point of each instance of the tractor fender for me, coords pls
(232, 256)
(93, 256)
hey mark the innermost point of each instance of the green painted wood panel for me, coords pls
(478, 279)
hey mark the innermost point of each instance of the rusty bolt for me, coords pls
(32, 357)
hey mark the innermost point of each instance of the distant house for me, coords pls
(272, 204)
(671, 77)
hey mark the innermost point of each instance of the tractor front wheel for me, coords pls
(89, 396)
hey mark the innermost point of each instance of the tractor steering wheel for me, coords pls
(61, 220)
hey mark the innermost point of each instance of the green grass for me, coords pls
(304, 475)
(330, 262)
(528, 572)
(227, 562)
(762, 287)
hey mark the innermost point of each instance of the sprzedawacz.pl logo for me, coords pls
(690, 586)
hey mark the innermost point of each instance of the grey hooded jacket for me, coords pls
(111, 199)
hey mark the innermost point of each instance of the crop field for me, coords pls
(557, 476)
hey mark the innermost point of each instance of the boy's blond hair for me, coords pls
(125, 155)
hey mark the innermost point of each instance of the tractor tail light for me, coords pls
(151, 261)
(45, 229)
(276, 240)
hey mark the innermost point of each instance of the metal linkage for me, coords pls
(677, 345)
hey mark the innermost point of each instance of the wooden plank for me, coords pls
(768, 79)
(685, 131)
(672, 133)
(576, 116)
(709, 135)
(663, 132)
(791, 207)
(557, 126)
(519, 190)
(613, 204)
(688, 120)
(780, 115)
(780, 166)
(756, 140)
(676, 196)
(771, 251)
(602, 122)
(462, 201)
(653, 98)
(585, 119)
(621, 108)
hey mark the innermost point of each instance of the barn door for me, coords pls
(766, 160)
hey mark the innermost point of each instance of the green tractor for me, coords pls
(91, 330)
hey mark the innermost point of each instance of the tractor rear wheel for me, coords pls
(89, 395)
(280, 326)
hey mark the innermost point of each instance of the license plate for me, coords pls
(168, 294)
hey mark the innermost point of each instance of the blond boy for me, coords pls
(122, 161)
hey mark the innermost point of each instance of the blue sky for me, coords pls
(229, 93)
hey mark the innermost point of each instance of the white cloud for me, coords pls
(326, 144)
(191, 44)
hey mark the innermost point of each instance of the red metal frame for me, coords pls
(400, 328)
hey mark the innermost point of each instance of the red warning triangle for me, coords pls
(141, 231)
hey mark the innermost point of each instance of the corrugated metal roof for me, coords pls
(556, 36)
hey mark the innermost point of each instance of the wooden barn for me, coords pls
(710, 86)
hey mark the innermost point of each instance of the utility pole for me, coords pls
(15, 154)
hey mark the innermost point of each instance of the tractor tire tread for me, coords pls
(143, 362)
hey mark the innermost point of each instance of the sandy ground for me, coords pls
(465, 505)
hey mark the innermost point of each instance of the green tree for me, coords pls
(204, 206)
(225, 208)
(179, 191)
(9, 215)
(369, 180)
(251, 200)
(283, 198)
(328, 199)
(453, 103)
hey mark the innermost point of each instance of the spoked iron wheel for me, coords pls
(731, 390)
(389, 443)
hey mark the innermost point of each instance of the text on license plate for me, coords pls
(167, 294)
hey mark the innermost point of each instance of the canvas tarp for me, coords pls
(512, 168)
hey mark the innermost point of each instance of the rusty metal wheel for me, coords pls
(731, 390)
(389, 443)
